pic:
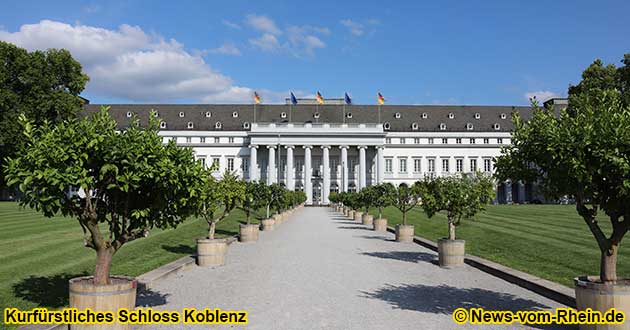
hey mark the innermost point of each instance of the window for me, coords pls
(231, 139)
(202, 140)
(388, 140)
(218, 125)
(234, 114)
(283, 115)
(472, 140)
(499, 141)
(430, 140)
(402, 140)
(190, 125)
(431, 165)
(486, 140)
(414, 126)
(397, 115)
(202, 161)
(417, 165)
(349, 115)
(503, 116)
(473, 165)
(451, 115)
(156, 114)
(416, 140)
(402, 165)
(497, 126)
(245, 165)
(316, 115)
(230, 164)
(215, 163)
(217, 139)
(444, 140)
(442, 127)
(188, 139)
(128, 114)
(208, 114)
(246, 125)
(469, 126)
(162, 124)
(445, 164)
(387, 126)
(424, 115)
(181, 114)
(487, 165)
(459, 165)
(388, 165)
(477, 115)
(458, 140)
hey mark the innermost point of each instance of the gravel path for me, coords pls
(321, 271)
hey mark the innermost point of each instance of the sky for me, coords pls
(492, 52)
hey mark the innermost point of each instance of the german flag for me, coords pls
(380, 99)
(256, 98)
(320, 99)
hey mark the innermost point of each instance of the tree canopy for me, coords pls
(385, 196)
(406, 198)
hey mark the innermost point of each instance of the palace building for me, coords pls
(338, 147)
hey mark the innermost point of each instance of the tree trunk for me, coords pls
(213, 226)
(451, 228)
(103, 265)
(404, 218)
(247, 214)
(267, 211)
(380, 213)
(608, 266)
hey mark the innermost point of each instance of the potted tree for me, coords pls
(385, 194)
(334, 200)
(276, 202)
(582, 153)
(406, 198)
(366, 199)
(248, 232)
(461, 196)
(226, 194)
(263, 199)
(128, 182)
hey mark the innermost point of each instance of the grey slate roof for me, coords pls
(271, 113)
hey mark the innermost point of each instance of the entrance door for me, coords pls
(317, 193)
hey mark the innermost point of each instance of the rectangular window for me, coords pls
(459, 165)
(245, 165)
(487, 165)
(473, 165)
(416, 140)
(417, 165)
(230, 140)
(188, 139)
(215, 163)
(473, 141)
(202, 140)
(499, 141)
(458, 140)
(230, 164)
(202, 161)
(402, 140)
(444, 141)
(216, 139)
(388, 165)
(486, 141)
(388, 140)
(402, 165)
(445, 164)
(430, 140)
(431, 165)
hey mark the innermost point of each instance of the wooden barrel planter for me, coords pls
(590, 293)
(357, 216)
(380, 224)
(277, 218)
(285, 216)
(351, 214)
(211, 252)
(367, 219)
(404, 233)
(451, 252)
(248, 233)
(120, 293)
(267, 224)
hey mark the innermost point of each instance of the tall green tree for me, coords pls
(586, 155)
(385, 196)
(41, 85)
(406, 198)
(128, 181)
(217, 198)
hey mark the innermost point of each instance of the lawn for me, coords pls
(38, 255)
(549, 241)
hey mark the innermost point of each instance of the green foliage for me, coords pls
(406, 198)
(257, 195)
(333, 197)
(367, 197)
(385, 194)
(214, 195)
(278, 197)
(41, 85)
(599, 77)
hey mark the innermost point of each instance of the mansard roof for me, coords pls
(401, 118)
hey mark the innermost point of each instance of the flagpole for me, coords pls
(379, 113)
(254, 111)
(290, 111)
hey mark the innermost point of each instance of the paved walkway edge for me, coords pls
(545, 288)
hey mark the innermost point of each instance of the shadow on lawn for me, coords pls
(407, 256)
(444, 299)
(45, 291)
(180, 249)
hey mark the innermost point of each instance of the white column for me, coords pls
(380, 165)
(290, 173)
(344, 168)
(362, 167)
(253, 163)
(326, 173)
(271, 167)
(308, 171)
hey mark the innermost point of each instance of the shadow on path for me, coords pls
(380, 238)
(150, 298)
(354, 227)
(407, 256)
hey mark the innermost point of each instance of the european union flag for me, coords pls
(348, 99)
(293, 99)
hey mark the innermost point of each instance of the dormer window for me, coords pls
(424, 115)
(246, 125)
(190, 125)
(397, 115)
(442, 127)
(129, 114)
(283, 115)
(451, 115)
(181, 114)
(234, 114)
(162, 124)
(497, 126)
(386, 126)
(414, 126)
(218, 125)
(503, 116)
(349, 115)
(477, 115)
(316, 115)
(208, 114)
(469, 126)
(156, 114)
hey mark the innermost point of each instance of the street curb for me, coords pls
(556, 292)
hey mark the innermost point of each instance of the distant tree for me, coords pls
(461, 196)
(225, 194)
(586, 155)
(44, 86)
(367, 197)
(385, 196)
(406, 198)
(278, 197)
(128, 181)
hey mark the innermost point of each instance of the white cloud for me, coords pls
(227, 49)
(263, 24)
(231, 25)
(354, 27)
(267, 42)
(541, 96)
(301, 42)
(129, 64)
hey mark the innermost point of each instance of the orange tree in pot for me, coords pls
(583, 152)
(406, 198)
(127, 180)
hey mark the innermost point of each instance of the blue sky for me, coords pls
(414, 52)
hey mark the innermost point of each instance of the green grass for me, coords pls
(549, 241)
(38, 255)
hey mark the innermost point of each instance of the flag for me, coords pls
(380, 99)
(348, 99)
(293, 99)
(320, 99)
(256, 98)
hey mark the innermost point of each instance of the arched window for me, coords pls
(208, 114)
(442, 127)
(190, 125)
(246, 125)
(387, 126)
(218, 125)
(397, 115)
(477, 115)
(497, 126)
(414, 126)
(181, 114)
(469, 126)
(162, 124)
